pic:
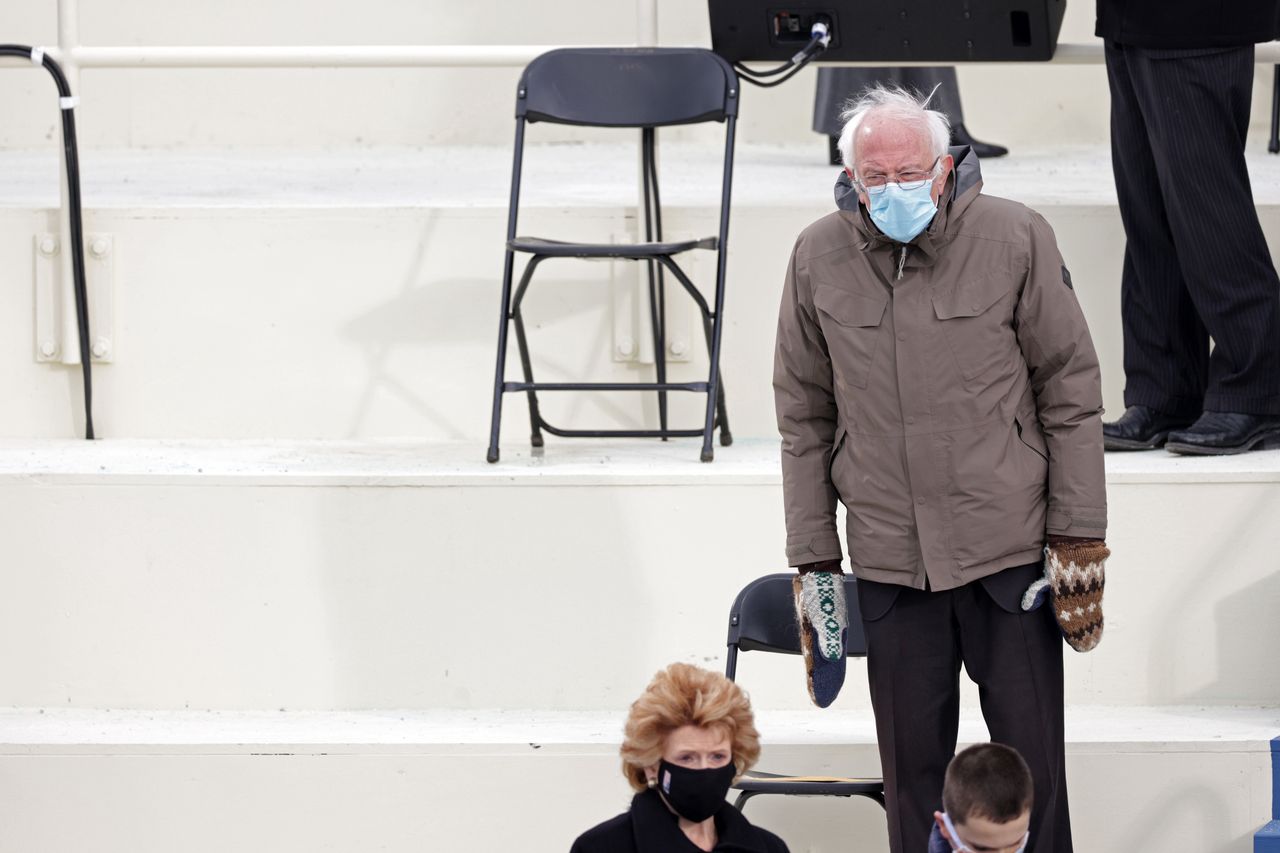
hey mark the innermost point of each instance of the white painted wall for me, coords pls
(512, 797)
(353, 323)
(1023, 106)
(482, 587)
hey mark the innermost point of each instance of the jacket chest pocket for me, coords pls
(977, 325)
(851, 326)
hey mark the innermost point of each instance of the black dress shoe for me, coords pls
(960, 136)
(1140, 428)
(1223, 433)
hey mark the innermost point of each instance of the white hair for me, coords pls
(897, 103)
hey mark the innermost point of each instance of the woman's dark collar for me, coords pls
(655, 827)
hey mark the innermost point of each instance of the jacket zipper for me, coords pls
(902, 260)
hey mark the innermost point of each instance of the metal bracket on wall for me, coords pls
(632, 327)
(56, 338)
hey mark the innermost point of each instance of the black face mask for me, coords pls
(695, 794)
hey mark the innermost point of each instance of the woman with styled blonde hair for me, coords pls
(688, 736)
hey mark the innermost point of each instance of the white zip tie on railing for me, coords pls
(70, 102)
(37, 56)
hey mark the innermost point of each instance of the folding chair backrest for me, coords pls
(763, 618)
(627, 87)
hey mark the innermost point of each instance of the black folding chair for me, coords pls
(643, 88)
(763, 619)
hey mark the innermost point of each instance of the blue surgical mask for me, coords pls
(960, 847)
(902, 214)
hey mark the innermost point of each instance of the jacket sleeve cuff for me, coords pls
(816, 548)
(822, 566)
(1077, 522)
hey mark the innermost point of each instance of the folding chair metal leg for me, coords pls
(658, 323)
(714, 392)
(522, 343)
(657, 286)
(535, 417)
(1274, 144)
(495, 421)
(722, 413)
(669, 262)
(717, 315)
(722, 409)
(508, 269)
(721, 420)
(662, 347)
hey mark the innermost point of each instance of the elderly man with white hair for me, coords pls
(934, 374)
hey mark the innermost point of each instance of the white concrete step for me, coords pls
(354, 293)
(558, 175)
(348, 575)
(1146, 778)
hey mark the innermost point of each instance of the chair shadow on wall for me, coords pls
(1172, 823)
(1244, 628)
(1247, 630)
(424, 314)
(412, 627)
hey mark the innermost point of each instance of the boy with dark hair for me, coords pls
(987, 796)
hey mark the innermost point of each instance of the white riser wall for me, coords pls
(391, 594)
(290, 800)
(356, 324)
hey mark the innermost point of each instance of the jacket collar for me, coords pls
(656, 828)
(962, 187)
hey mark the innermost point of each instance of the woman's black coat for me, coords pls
(650, 827)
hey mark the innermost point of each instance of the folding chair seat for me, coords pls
(561, 249)
(763, 618)
(637, 88)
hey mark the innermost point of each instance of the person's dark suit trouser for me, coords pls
(1196, 263)
(916, 643)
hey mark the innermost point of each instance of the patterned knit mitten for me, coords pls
(1074, 573)
(823, 621)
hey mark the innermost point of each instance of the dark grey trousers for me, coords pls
(916, 643)
(1196, 263)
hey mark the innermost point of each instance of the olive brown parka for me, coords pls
(946, 391)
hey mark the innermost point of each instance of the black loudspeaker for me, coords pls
(934, 31)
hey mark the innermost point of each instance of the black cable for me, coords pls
(786, 66)
(77, 227)
(800, 57)
(769, 84)
(819, 39)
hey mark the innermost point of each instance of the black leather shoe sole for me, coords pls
(1155, 442)
(1263, 440)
